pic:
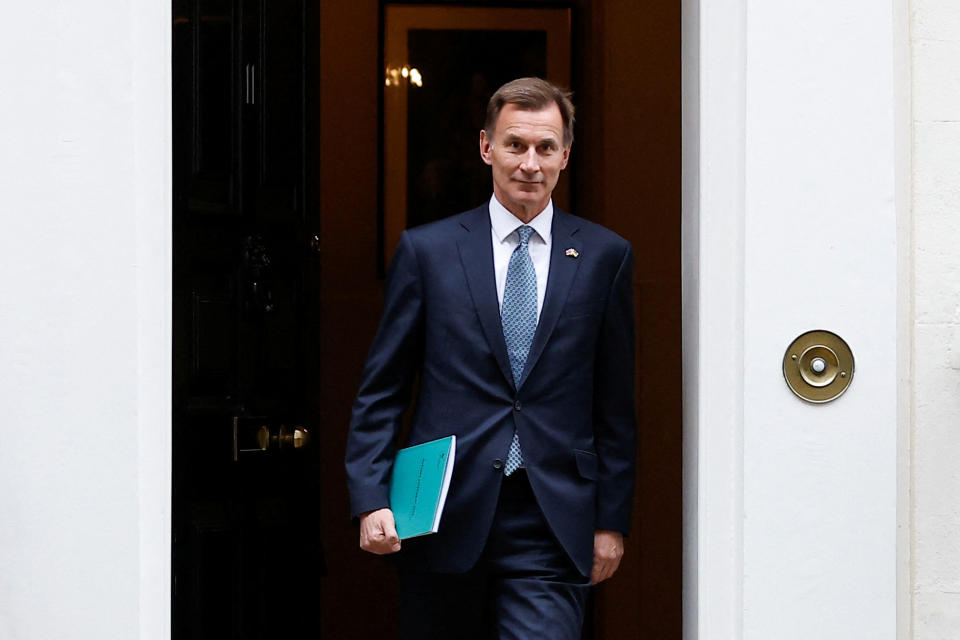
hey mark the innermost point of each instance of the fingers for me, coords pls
(390, 537)
(607, 552)
(603, 569)
(378, 532)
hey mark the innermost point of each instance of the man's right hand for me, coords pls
(378, 532)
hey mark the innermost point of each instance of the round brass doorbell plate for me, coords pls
(818, 366)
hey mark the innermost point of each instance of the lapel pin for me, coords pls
(572, 253)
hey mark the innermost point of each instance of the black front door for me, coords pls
(247, 548)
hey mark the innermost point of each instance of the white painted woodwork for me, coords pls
(85, 349)
(791, 217)
(791, 198)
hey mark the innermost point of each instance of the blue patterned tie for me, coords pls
(519, 317)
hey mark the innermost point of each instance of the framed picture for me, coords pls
(441, 65)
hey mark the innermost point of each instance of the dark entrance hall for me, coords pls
(279, 243)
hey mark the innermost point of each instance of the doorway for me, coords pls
(317, 224)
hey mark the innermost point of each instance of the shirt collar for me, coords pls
(504, 223)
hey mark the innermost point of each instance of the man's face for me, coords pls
(527, 155)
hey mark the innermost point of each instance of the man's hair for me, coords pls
(531, 94)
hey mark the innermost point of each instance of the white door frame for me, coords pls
(86, 197)
(152, 94)
(728, 49)
(712, 235)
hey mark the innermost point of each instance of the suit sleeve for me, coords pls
(385, 386)
(614, 412)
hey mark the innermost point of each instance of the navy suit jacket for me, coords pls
(573, 408)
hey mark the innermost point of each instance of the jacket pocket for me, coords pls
(586, 463)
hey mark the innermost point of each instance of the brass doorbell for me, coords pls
(818, 366)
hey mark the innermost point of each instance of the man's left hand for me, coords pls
(607, 551)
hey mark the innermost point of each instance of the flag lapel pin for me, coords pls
(572, 253)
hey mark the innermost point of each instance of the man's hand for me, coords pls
(607, 551)
(378, 532)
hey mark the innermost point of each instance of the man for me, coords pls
(518, 319)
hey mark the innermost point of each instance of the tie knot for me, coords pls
(524, 232)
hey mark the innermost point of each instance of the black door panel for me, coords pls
(247, 552)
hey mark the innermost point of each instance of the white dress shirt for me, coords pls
(503, 231)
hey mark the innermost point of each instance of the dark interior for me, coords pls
(278, 285)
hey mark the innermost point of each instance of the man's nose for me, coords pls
(530, 162)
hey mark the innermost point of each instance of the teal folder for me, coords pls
(418, 486)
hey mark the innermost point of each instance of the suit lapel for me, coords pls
(476, 256)
(562, 270)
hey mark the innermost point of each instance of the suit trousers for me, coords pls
(524, 586)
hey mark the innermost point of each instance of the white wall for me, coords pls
(84, 320)
(936, 204)
(796, 221)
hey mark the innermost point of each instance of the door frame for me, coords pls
(715, 38)
(714, 53)
(712, 235)
(152, 95)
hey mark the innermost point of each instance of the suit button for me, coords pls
(498, 464)
(517, 406)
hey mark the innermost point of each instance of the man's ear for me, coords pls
(485, 143)
(566, 156)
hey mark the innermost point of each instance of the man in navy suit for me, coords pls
(518, 319)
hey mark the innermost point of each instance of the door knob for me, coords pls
(298, 437)
(265, 438)
(818, 366)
